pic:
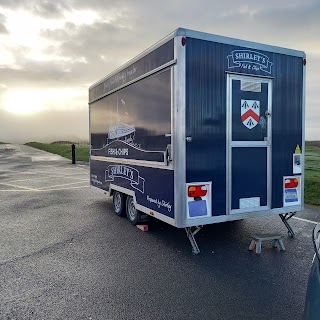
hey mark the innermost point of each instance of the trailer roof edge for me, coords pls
(136, 58)
(203, 36)
(238, 42)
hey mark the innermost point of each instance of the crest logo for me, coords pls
(250, 113)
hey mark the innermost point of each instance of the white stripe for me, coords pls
(48, 174)
(305, 220)
(36, 190)
(48, 177)
(21, 190)
(56, 189)
(62, 185)
(15, 186)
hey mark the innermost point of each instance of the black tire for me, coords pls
(133, 214)
(119, 203)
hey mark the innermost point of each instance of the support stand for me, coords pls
(285, 217)
(190, 235)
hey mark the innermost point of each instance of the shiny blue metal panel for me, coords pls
(286, 120)
(206, 65)
(249, 175)
(206, 118)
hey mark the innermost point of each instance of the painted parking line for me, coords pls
(56, 189)
(66, 172)
(15, 172)
(57, 174)
(44, 190)
(45, 175)
(55, 168)
(52, 187)
(64, 184)
(15, 186)
(40, 178)
(305, 220)
(20, 190)
(86, 168)
(5, 170)
(49, 172)
(52, 175)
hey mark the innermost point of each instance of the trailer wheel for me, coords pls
(132, 213)
(119, 203)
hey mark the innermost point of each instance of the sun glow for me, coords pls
(23, 102)
(28, 102)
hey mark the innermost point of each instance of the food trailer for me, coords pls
(201, 129)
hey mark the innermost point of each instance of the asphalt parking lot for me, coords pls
(64, 254)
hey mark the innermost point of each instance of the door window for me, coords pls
(249, 106)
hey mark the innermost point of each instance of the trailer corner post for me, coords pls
(179, 129)
(190, 235)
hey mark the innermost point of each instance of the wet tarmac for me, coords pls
(64, 254)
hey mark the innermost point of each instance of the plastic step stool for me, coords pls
(275, 239)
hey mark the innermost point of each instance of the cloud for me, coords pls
(93, 50)
(280, 23)
(43, 8)
(3, 29)
(49, 9)
(36, 74)
(91, 41)
(11, 4)
(102, 5)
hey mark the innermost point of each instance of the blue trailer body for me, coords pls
(196, 111)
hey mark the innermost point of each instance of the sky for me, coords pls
(52, 51)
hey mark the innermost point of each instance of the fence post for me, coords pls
(73, 152)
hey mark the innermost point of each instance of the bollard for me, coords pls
(73, 153)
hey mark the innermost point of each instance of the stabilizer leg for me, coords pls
(285, 217)
(190, 235)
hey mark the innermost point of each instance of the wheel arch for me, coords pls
(127, 192)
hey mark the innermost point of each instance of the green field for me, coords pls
(312, 166)
(64, 150)
(313, 143)
(312, 176)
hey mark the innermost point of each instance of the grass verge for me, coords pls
(82, 153)
(312, 176)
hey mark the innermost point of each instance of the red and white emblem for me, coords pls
(250, 113)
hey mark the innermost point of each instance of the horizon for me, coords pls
(52, 51)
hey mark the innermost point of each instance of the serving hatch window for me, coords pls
(134, 122)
